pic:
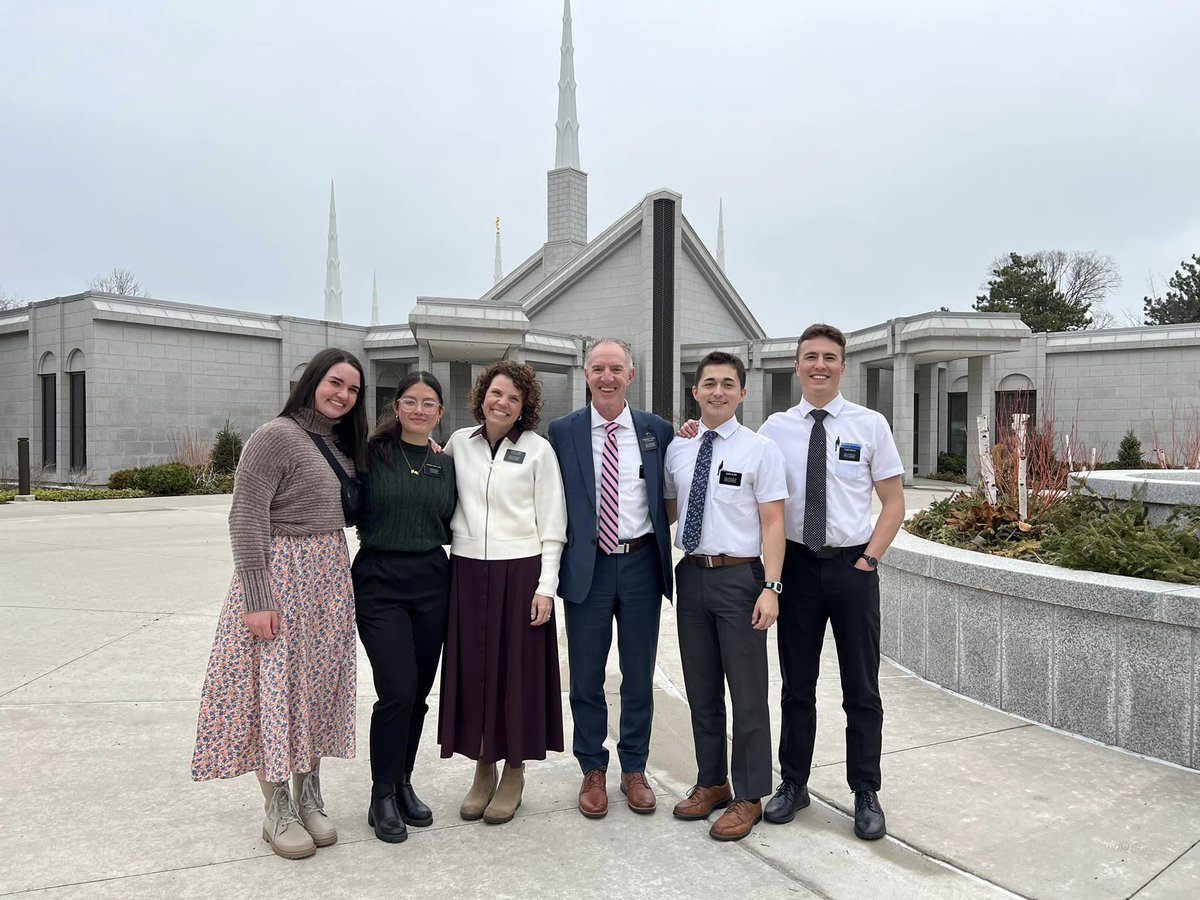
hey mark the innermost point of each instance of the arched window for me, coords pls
(48, 386)
(77, 406)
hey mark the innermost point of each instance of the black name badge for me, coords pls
(514, 456)
(649, 442)
(850, 452)
(734, 478)
(434, 470)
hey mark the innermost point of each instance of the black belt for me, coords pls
(827, 552)
(632, 544)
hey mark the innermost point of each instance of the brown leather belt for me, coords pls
(633, 544)
(718, 562)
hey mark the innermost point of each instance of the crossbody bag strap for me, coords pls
(328, 454)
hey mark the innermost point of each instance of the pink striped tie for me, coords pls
(607, 528)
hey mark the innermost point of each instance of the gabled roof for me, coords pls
(504, 284)
(695, 248)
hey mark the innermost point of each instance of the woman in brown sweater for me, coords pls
(279, 692)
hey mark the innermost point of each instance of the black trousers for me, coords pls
(717, 643)
(816, 591)
(400, 604)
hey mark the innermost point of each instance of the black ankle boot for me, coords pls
(412, 810)
(383, 815)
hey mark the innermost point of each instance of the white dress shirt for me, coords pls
(635, 507)
(731, 523)
(850, 431)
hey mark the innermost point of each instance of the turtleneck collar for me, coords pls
(311, 420)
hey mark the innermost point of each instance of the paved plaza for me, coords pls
(108, 610)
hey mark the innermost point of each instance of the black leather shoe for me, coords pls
(869, 823)
(788, 800)
(384, 817)
(412, 810)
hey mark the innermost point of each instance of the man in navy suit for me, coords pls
(617, 564)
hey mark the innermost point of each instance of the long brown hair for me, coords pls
(350, 431)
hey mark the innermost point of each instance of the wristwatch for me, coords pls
(776, 586)
(872, 561)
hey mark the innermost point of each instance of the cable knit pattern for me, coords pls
(283, 486)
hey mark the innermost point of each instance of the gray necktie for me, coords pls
(814, 484)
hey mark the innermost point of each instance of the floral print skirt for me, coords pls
(275, 705)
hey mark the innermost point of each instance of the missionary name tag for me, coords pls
(514, 456)
(649, 442)
(435, 471)
(850, 452)
(734, 478)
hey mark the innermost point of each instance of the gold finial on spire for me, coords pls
(497, 224)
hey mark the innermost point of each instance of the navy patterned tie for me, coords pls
(695, 513)
(814, 484)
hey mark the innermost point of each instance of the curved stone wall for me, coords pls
(1108, 657)
(1161, 489)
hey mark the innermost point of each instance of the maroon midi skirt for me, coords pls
(501, 694)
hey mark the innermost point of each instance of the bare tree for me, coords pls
(118, 281)
(9, 301)
(1084, 278)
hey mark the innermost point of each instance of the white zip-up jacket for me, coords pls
(511, 506)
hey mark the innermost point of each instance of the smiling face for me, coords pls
(419, 410)
(609, 374)
(719, 392)
(501, 406)
(338, 391)
(820, 369)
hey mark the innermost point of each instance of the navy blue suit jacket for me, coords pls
(571, 438)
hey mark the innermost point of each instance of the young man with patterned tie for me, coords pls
(836, 453)
(727, 489)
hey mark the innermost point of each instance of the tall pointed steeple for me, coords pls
(498, 269)
(721, 234)
(566, 193)
(333, 267)
(374, 299)
(566, 145)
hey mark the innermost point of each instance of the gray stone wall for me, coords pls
(702, 315)
(16, 399)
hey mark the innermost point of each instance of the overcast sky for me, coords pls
(873, 157)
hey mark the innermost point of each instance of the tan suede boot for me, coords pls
(508, 796)
(282, 828)
(480, 794)
(306, 788)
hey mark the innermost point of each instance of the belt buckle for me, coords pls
(710, 562)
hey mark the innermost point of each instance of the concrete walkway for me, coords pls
(108, 610)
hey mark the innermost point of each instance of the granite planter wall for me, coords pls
(1161, 490)
(1112, 658)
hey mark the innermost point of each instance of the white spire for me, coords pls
(721, 234)
(333, 268)
(498, 269)
(374, 299)
(566, 144)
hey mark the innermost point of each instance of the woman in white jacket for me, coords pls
(501, 695)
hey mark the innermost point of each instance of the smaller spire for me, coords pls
(498, 268)
(721, 234)
(374, 299)
(333, 267)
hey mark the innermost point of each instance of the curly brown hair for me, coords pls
(524, 379)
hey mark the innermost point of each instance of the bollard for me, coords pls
(23, 492)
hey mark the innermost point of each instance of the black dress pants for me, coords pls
(816, 591)
(400, 604)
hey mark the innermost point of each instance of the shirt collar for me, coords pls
(513, 435)
(624, 419)
(725, 429)
(834, 407)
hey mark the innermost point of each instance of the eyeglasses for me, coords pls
(409, 404)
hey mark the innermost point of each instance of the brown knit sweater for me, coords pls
(283, 486)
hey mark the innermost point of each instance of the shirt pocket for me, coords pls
(851, 471)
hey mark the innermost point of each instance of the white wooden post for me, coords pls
(986, 470)
(1092, 459)
(1070, 455)
(1019, 421)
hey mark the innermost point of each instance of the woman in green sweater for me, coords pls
(401, 588)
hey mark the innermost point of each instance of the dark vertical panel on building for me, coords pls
(663, 338)
(78, 409)
(49, 420)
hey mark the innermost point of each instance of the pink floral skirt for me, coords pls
(275, 705)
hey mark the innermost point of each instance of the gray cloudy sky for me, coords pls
(874, 157)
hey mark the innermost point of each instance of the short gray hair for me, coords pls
(624, 345)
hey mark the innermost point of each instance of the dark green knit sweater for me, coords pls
(406, 511)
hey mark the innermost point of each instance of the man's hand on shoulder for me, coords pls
(688, 429)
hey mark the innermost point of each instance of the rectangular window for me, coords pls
(1008, 404)
(78, 407)
(49, 420)
(956, 423)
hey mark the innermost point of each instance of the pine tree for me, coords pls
(1182, 303)
(227, 450)
(1129, 454)
(1023, 287)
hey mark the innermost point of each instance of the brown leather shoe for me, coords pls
(702, 800)
(593, 795)
(638, 791)
(735, 823)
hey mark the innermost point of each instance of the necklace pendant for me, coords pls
(413, 472)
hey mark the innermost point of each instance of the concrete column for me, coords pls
(980, 393)
(578, 387)
(902, 410)
(425, 358)
(927, 427)
(754, 408)
(943, 409)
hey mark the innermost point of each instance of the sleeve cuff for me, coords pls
(256, 589)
